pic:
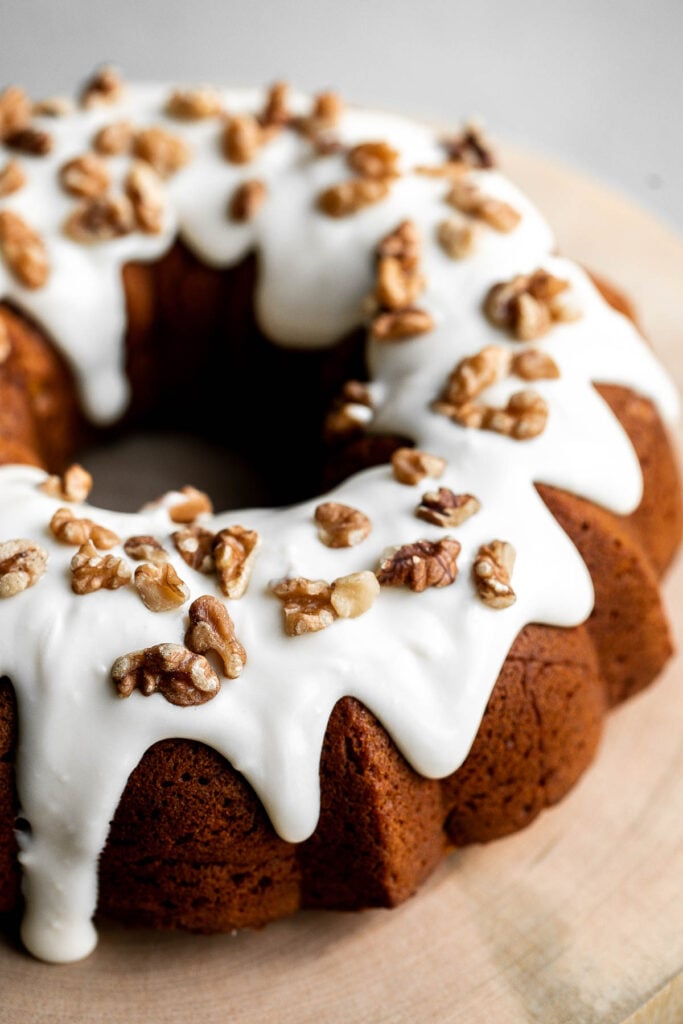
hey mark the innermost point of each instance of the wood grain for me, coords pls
(577, 920)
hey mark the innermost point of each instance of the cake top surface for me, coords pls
(483, 346)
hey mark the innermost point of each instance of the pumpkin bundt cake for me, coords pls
(209, 720)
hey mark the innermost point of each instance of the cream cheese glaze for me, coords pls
(425, 664)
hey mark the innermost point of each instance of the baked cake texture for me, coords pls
(343, 688)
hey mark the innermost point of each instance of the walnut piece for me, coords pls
(143, 548)
(350, 412)
(12, 178)
(532, 364)
(22, 563)
(68, 529)
(306, 603)
(403, 244)
(91, 571)
(470, 148)
(348, 197)
(467, 197)
(234, 551)
(243, 136)
(181, 677)
(341, 526)
(105, 87)
(211, 629)
(401, 324)
(194, 104)
(397, 287)
(419, 565)
(166, 152)
(145, 190)
(529, 304)
(353, 595)
(30, 141)
(276, 108)
(75, 484)
(195, 504)
(53, 106)
(325, 114)
(475, 373)
(247, 200)
(85, 176)
(114, 139)
(23, 250)
(445, 508)
(410, 465)
(100, 220)
(15, 111)
(160, 587)
(492, 572)
(524, 417)
(374, 160)
(194, 544)
(458, 236)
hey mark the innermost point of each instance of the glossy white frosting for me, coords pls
(425, 663)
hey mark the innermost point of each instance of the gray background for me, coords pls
(596, 83)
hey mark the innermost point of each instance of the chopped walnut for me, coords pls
(181, 677)
(68, 529)
(524, 417)
(166, 152)
(467, 197)
(194, 544)
(247, 200)
(445, 508)
(341, 526)
(353, 595)
(410, 465)
(143, 548)
(114, 139)
(492, 571)
(160, 587)
(211, 629)
(307, 604)
(105, 87)
(349, 413)
(22, 563)
(15, 111)
(100, 220)
(325, 114)
(30, 142)
(234, 551)
(374, 160)
(75, 484)
(86, 176)
(276, 108)
(12, 178)
(145, 190)
(195, 504)
(23, 250)
(528, 304)
(91, 571)
(194, 104)
(397, 287)
(532, 364)
(349, 197)
(458, 236)
(242, 138)
(419, 565)
(470, 147)
(401, 324)
(53, 106)
(403, 244)
(475, 373)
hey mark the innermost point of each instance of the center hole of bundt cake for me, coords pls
(214, 402)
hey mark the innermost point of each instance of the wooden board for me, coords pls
(577, 920)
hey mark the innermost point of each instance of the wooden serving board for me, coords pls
(577, 920)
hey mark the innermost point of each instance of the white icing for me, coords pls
(424, 664)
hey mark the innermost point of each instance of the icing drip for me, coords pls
(424, 664)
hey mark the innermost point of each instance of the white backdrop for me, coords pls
(597, 83)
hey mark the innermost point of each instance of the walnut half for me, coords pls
(22, 563)
(181, 677)
(212, 629)
(492, 572)
(419, 565)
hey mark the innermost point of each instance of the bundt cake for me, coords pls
(343, 687)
